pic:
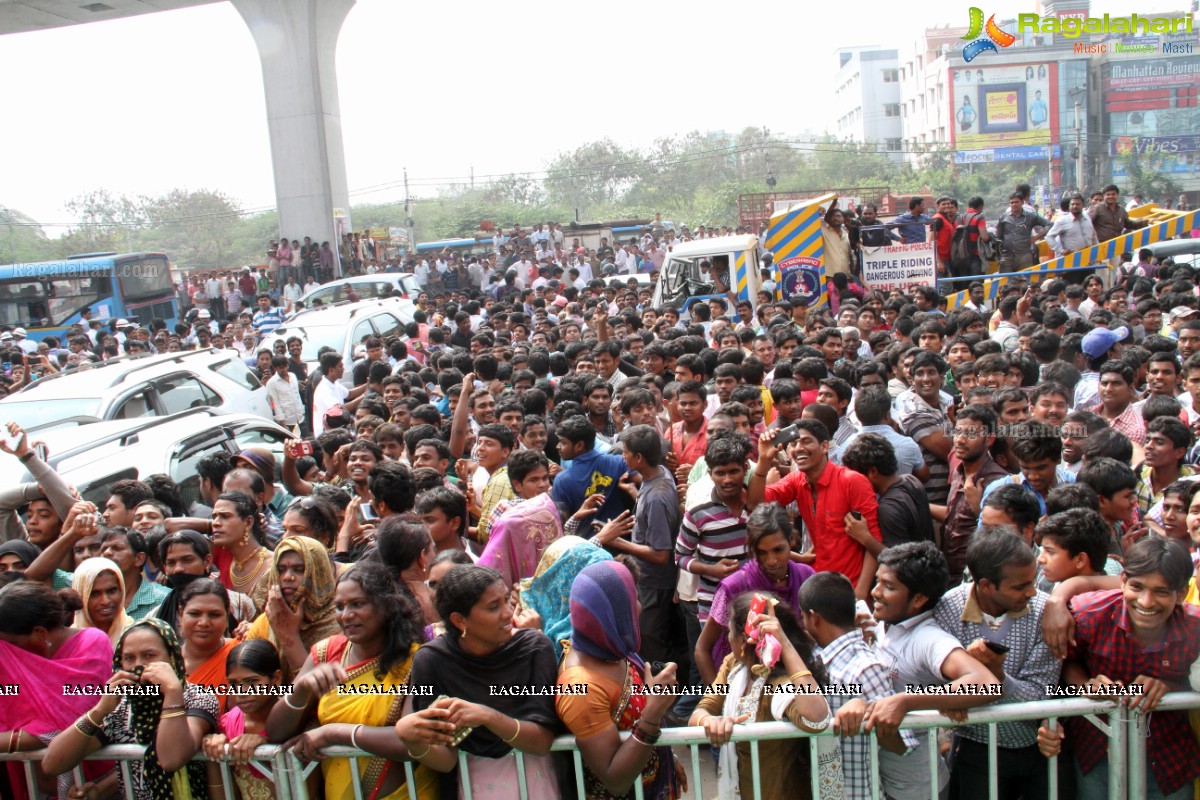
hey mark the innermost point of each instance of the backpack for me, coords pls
(965, 244)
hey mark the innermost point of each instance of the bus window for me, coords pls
(145, 279)
(70, 296)
(22, 304)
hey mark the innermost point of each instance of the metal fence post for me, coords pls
(1118, 755)
(1139, 728)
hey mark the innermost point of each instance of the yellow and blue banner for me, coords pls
(794, 238)
(1165, 224)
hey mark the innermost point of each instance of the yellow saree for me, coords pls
(372, 710)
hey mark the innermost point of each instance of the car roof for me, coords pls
(353, 280)
(1174, 247)
(98, 378)
(339, 314)
(717, 245)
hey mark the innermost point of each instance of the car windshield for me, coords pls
(315, 337)
(34, 413)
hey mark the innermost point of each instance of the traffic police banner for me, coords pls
(900, 266)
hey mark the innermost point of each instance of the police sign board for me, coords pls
(900, 266)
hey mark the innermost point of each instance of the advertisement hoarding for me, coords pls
(1006, 106)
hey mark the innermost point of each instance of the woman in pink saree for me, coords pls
(520, 536)
(41, 654)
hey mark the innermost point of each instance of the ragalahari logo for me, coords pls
(995, 36)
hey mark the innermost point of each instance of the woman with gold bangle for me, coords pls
(162, 711)
(42, 655)
(353, 684)
(481, 650)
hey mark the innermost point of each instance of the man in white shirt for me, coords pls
(421, 273)
(620, 260)
(1072, 231)
(283, 390)
(291, 293)
(330, 392)
(310, 286)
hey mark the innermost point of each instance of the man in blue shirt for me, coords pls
(912, 226)
(268, 317)
(586, 471)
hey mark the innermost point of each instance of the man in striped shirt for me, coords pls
(267, 318)
(712, 541)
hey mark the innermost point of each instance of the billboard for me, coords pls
(1005, 106)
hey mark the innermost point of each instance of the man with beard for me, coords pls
(972, 470)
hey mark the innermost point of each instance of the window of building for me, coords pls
(894, 145)
(891, 109)
(890, 76)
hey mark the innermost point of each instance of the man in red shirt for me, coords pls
(826, 494)
(688, 438)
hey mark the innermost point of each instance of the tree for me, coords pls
(1145, 176)
(595, 173)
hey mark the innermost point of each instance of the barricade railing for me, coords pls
(1126, 752)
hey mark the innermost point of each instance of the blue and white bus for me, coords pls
(46, 297)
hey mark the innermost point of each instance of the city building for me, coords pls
(867, 98)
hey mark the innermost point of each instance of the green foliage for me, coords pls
(1146, 179)
(691, 179)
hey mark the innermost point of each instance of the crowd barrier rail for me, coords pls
(1125, 729)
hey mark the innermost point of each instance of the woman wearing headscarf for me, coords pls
(603, 655)
(481, 650)
(549, 591)
(525, 527)
(41, 654)
(346, 684)
(17, 555)
(99, 583)
(300, 605)
(171, 723)
(796, 681)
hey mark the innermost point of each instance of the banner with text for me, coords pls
(899, 267)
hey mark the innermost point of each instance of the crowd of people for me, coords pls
(558, 485)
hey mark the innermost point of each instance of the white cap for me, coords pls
(124, 323)
(19, 332)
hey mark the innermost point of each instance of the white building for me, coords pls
(867, 98)
(925, 101)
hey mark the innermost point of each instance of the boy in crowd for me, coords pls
(1141, 635)
(997, 618)
(911, 580)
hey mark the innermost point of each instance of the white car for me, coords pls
(94, 457)
(367, 287)
(133, 387)
(343, 328)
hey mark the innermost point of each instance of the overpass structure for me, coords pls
(297, 42)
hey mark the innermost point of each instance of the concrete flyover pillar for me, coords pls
(297, 42)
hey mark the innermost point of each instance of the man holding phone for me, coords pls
(998, 620)
(826, 494)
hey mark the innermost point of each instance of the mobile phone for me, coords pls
(787, 435)
(366, 513)
(856, 514)
(40, 450)
(304, 449)
(657, 667)
(996, 647)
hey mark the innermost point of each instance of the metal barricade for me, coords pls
(1125, 730)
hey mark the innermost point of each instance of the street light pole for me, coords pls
(1079, 176)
